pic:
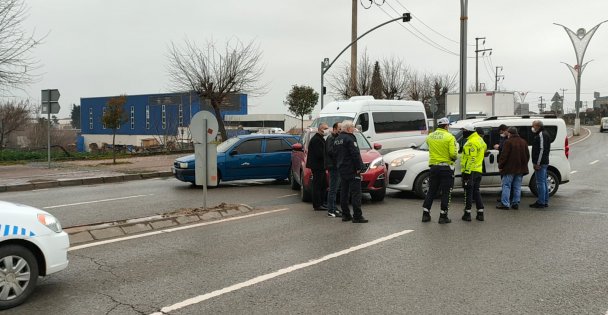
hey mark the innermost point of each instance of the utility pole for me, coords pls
(464, 17)
(477, 51)
(563, 99)
(497, 78)
(353, 49)
(541, 106)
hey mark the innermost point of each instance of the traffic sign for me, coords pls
(433, 105)
(50, 95)
(54, 108)
(49, 99)
(203, 133)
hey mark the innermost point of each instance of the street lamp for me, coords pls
(580, 41)
(325, 64)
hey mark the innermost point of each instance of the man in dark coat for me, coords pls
(541, 146)
(513, 165)
(350, 166)
(332, 168)
(315, 160)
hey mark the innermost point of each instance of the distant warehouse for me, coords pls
(158, 119)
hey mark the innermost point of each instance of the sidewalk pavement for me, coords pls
(38, 175)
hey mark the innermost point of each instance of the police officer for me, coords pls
(350, 166)
(443, 151)
(471, 166)
(332, 169)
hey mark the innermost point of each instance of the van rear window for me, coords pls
(399, 121)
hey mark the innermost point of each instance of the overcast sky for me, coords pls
(110, 47)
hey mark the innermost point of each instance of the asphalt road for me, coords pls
(549, 261)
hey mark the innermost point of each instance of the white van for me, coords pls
(395, 124)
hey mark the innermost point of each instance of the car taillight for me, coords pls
(567, 148)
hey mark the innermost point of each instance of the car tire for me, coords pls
(29, 268)
(421, 185)
(294, 184)
(553, 183)
(378, 195)
(305, 194)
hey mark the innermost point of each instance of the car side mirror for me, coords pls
(377, 146)
(234, 152)
(296, 147)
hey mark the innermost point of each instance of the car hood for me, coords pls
(7, 208)
(191, 158)
(415, 154)
(369, 155)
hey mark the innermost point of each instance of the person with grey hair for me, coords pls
(332, 169)
(513, 165)
(350, 166)
(541, 146)
(316, 162)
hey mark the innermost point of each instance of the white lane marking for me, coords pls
(41, 189)
(583, 139)
(114, 240)
(275, 274)
(286, 196)
(573, 172)
(594, 162)
(96, 201)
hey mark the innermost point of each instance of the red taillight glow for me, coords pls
(567, 148)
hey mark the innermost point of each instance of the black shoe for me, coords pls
(334, 214)
(479, 216)
(466, 216)
(501, 207)
(443, 219)
(426, 216)
(537, 205)
(346, 218)
(360, 220)
(515, 206)
(499, 200)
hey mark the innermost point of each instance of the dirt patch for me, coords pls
(221, 207)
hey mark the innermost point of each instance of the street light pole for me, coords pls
(463, 58)
(325, 65)
(580, 41)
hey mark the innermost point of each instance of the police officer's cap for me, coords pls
(443, 121)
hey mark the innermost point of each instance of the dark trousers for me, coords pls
(319, 188)
(441, 178)
(351, 185)
(471, 191)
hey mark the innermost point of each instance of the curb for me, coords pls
(102, 231)
(83, 181)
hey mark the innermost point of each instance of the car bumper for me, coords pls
(373, 181)
(55, 249)
(401, 180)
(185, 175)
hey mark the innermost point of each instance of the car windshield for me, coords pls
(329, 120)
(362, 142)
(456, 132)
(224, 146)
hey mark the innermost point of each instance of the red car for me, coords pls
(373, 178)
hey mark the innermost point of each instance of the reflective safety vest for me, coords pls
(442, 147)
(473, 153)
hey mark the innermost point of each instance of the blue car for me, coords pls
(254, 156)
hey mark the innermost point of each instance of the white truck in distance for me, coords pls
(486, 103)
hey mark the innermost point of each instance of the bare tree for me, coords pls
(13, 115)
(341, 82)
(16, 63)
(394, 74)
(216, 72)
(113, 117)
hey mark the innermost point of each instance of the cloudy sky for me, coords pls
(110, 47)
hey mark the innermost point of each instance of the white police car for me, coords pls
(32, 244)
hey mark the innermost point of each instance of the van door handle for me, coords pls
(245, 164)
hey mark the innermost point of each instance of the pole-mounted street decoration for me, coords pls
(580, 41)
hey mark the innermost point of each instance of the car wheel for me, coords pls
(18, 275)
(292, 181)
(305, 194)
(552, 181)
(421, 185)
(378, 195)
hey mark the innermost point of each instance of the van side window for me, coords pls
(526, 133)
(363, 120)
(398, 121)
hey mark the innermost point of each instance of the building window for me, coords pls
(91, 118)
(147, 116)
(103, 113)
(181, 115)
(164, 117)
(132, 117)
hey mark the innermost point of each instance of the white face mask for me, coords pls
(533, 129)
(503, 135)
(326, 132)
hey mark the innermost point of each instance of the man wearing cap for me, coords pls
(513, 165)
(443, 151)
(471, 166)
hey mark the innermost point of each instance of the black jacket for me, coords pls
(541, 146)
(330, 155)
(316, 153)
(348, 156)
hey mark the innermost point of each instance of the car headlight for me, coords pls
(401, 160)
(50, 222)
(376, 163)
(183, 165)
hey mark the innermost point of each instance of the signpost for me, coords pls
(50, 105)
(433, 107)
(204, 127)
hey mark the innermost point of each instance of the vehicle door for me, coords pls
(491, 174)
(363, 121)
(243, 159)
(277, 158)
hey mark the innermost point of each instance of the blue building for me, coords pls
(151, 118)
